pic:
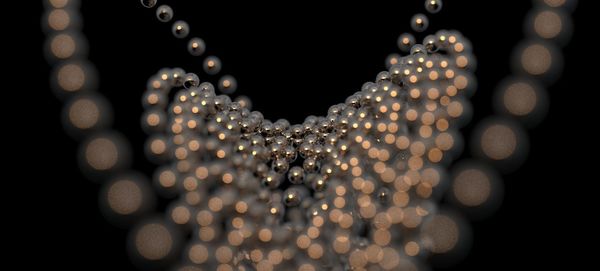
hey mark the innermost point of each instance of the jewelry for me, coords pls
(356, 189)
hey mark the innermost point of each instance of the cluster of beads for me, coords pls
(323, 193)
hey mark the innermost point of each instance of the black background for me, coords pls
(307, 56)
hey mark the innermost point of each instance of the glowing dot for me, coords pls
(63, 46)
(167, 178)
(315, 251)
(411, 248)
(180, 215)
(441, 234)
(520, 99)
(555, 3)
(153, 241)
(124, 197)
(198, 254)
(59, 3)
(84, 113)
(472, 187)
(498, 142)
(265, 235)
(536, 59)
(102, 153)
(548, 24)
(59, 19)
(71, 77)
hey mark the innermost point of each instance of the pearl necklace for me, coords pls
(356, 189)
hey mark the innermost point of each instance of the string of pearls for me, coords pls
(355, 189)
(196, 46)
(290, 191)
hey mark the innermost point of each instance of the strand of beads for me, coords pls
(500, 142)
(374, 148)
(196, 46)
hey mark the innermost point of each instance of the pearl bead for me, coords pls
(227, 84)
(148, 3)
(296, 175)
(164, 13)
(212, 65)
(419, 23)
(180, 29)
(191, 80)
(196, 46)
(433, 6)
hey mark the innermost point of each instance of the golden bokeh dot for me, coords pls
(125, 197)
(223, 254)
(536, 59)
(153, 241)
(181, 215)
(59, 19)
(498, 142)
(204, 218)
(555, 3)
(412, 248)
(441, 233)
(102, 153)
(548, 24)
(158, 146)
(167, 178)
(198, 254)
(306, 267)
(84, 113)
(59, 3)
(315, 251)
(71, 77)
(235, 238)
(358, 258)
(411, 218)
(455, 109)
(472, 187)
(341, 244)
(303, 241)
(374, 253)
(63, 46)
(265, 235)
(520, 99)
(264, 265)
(391, 259)
(275, 256)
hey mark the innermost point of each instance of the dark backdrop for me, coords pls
(294, 53)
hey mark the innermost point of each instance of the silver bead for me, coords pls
(433, 6)
(148, 3)
(196, 46)
(180, 29)
(419, 23)
(164, 13)
(296, 175)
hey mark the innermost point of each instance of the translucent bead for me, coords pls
(292, 197)
(191, 80)
(148, 3)
(180, 29)
(280, 166)
(406, 41)
(227, 84)
(164, 13)
(296, 175)
(419, 22)
(433, 6)
(177, 77)
(196, 46)
(271, 180)
(310, 165)
(212, 65)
